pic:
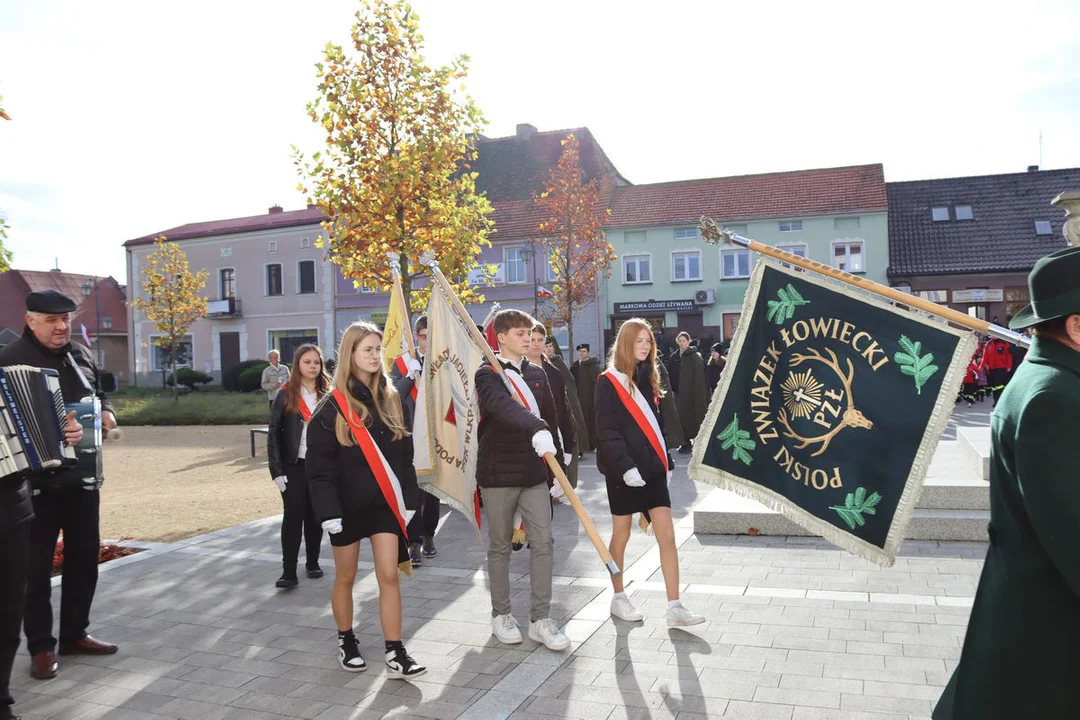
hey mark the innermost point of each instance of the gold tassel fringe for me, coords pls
(405, 568)
(644, 524)
(518, 536)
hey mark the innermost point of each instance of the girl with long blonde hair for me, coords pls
(360, 468)
(286, 450)
(633, 458)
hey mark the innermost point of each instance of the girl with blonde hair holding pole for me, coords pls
(632, 456)
(360, 469)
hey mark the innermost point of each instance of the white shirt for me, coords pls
(310, 399)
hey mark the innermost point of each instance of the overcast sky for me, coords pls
(133, 117)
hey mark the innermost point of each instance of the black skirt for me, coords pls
(626, 500)
(374, 519)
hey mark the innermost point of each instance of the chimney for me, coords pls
(1033, 168)
(275, 209)
(525, 131)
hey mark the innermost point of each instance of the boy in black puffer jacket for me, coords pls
(514, 435)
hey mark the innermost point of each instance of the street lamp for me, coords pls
(87, 288)
(527, 255)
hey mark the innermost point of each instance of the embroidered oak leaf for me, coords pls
(782, 310)
(738, 441)
(913, 363)
(856, 505)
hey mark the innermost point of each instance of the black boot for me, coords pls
(428, 548)
(415, 555)
(314, 571)
(287, 579)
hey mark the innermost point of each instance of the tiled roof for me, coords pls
(519, 219)
(1001, 236)
(513, 168)
(16, 284)
(784, 194)
(268, 221)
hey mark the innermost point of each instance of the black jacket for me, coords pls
(339, 478)
(567, 426)
(283, 439)
(505, 457)
(621, 444)
(15, 504)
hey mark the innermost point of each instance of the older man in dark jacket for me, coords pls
(46, 343)
(16, 511)
(1021, 653)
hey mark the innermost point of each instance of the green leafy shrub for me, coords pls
(251, 379)
(190, 378)
(230, 379)
(202, 408)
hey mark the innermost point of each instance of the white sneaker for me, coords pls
(622, 608)
(682, 616)
(505, 629)
(545, 631)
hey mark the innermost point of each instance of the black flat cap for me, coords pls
(584, 346)
(50, 302)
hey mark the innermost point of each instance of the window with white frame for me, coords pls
(685, 265)
(515, 266)
(849, 256)
(305, 277)
(963, 212)
(274, 286)
(637, 269)
(161, 353)
(271, 246)
(367, 286)
(549, 271)
(734, 264)
(936, 296)
(305, 243)
(799, 250)
(689, 233)
(227, 285)
(791, 226)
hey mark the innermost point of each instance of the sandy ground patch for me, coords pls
(169, 483)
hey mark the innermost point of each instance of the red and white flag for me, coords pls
(86, 336)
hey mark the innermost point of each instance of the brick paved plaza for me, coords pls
(796, 630)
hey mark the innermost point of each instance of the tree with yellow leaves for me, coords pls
(394, 176)
(572, 235)
(171, 297)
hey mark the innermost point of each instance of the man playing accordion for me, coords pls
(46, 343)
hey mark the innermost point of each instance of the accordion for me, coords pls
(32, 419)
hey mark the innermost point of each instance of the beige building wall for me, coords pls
(260, 316)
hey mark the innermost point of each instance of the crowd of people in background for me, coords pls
(990, 369)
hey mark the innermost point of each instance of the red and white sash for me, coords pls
(399, 363)
(643, 415)
(522, 389)
(305, 411)
(384, 474)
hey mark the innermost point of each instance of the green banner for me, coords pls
(830, 408)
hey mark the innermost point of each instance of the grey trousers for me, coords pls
(535, 506)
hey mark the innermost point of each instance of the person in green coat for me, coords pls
(673, 432)
(1021, 654)
(554, 354)
(586, 370)
(691, 391)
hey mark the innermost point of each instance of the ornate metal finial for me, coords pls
(427, 259)
(1069, 201)
(394, 262)
(711, 232)
(495, 307)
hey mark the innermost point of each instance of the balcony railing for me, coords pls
(229, 307)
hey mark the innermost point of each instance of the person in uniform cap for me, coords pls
(585, 371)
(1021, 656)
(46, 343)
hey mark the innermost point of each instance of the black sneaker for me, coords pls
(287, 579)
(349, 654)
(429, 550)
(314, 571)
(415, 555)
(399, 664)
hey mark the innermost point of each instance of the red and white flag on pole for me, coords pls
(86, 336)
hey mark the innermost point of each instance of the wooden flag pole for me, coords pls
(395, 271)
(583, 515)
(712, 233)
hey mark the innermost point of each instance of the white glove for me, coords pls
(332, 526)
(414, 368)
(567, 459)
(670, 474)
(281, 481)
(633, 478)
(557, 493)
(543, 443)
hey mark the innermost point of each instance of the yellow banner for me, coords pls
(395, 328)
